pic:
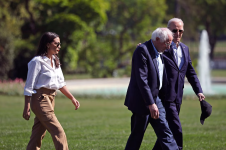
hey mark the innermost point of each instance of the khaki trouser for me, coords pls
(42, 104)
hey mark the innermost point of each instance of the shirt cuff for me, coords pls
(62, 85)
(29, 92)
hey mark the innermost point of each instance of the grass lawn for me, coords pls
(105, 125)
(218, 73)
(76, 76)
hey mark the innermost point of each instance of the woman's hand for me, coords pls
(76, 103)
(66, 92)
(27, 113)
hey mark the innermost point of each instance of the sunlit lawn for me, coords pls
(218, 73)
(105, 124)
(76, 76)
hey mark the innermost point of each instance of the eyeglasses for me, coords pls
(58, 44)
(175, 31)
(167, 44)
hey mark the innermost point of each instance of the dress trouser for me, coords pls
(139, 124)
(172, 116)
(42, 104)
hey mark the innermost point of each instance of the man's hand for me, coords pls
(76, 103)
(138, 44)
(154, 111)
(201, 96)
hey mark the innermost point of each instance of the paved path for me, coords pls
(118, 86)
(100, 86)
(97, 83)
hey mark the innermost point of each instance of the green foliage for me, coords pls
(75, 21)
(211, 17)
(11, 13)
(6, 53)
(129, 22)
(98, 37)
(97, 59)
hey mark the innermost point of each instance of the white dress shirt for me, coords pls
(42, 74)
(160, 65)
(178, 55)
(161, 68)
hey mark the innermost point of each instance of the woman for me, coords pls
(43, 79)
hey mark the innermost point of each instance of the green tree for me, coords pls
(129, 22)
(11, 14)
(212, 17)
(201, 14)
(75, 22)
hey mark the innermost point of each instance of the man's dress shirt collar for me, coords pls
(178, 54)
(160, 65)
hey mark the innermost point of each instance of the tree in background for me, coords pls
(201, 14)
(98, 37)
(129, 22)
(11, 14)
(75, 22)
(211, 16)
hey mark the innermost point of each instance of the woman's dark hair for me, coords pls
(46, 38)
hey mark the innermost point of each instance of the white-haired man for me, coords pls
(147, 86)
(178, 64)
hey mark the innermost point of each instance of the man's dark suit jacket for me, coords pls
(144, 82)
(176, 76)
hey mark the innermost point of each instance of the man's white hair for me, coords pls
(174, 20)
(162, 33)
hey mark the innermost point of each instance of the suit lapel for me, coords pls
(153, 56)
(156, 65)
(184, 54)
(172, 55)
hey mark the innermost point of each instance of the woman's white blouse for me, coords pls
(41, 74)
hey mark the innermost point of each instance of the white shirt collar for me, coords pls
(48, 61)
(47, 58)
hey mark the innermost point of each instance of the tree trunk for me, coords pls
(177, 9)
(32, 21)
(212, 39)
